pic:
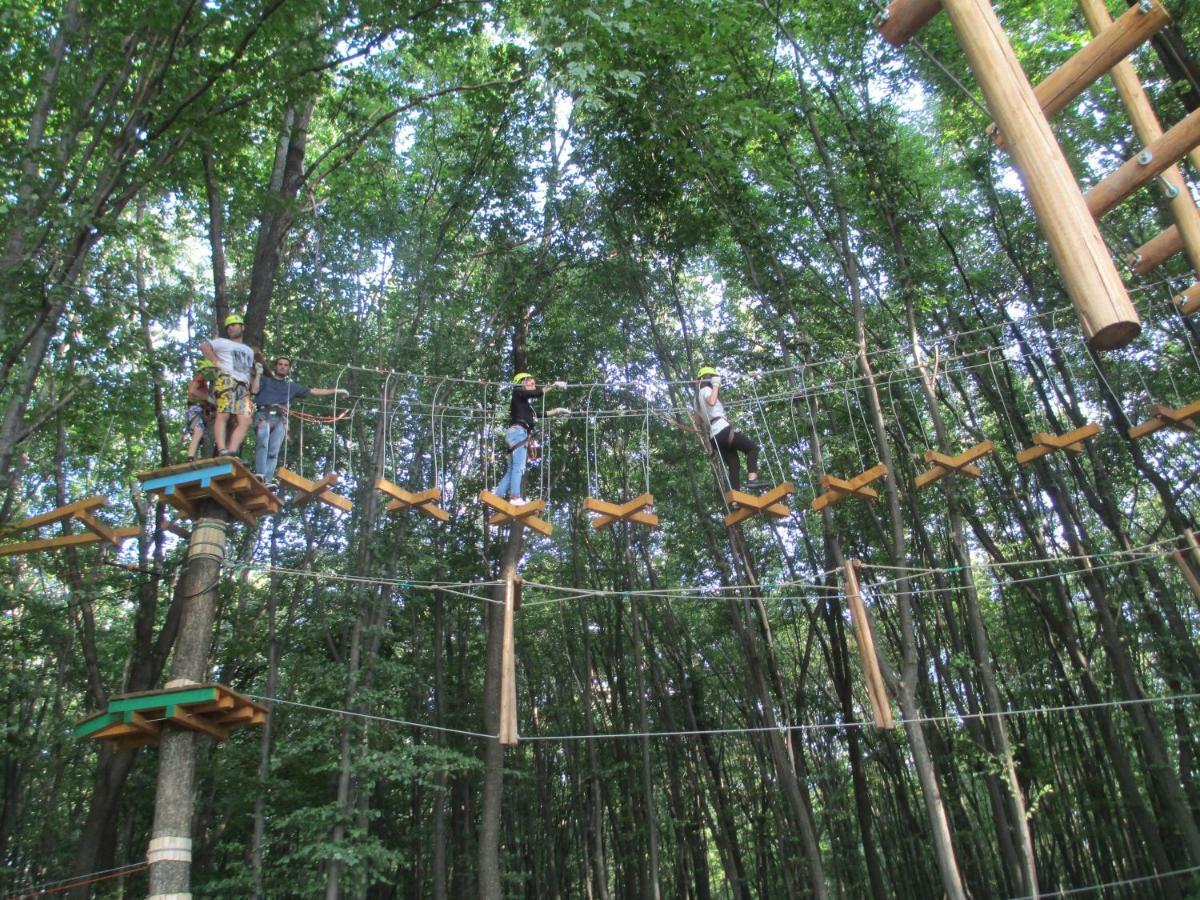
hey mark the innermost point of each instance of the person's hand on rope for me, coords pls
(716, 382)
(341, 392)
(558, 411)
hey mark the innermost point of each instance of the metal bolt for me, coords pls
(1145, 157)
(1145, 6)
(1170, 191)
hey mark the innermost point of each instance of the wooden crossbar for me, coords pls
(426, 501)
(1142, 168)
(837, 490)
(865, 637)
(1044, 444)
(633, 511)
(944, 465)
(772, 503)
(56, 515)
(307, 491)
(507, 514)
(1182, 419)
(901, 21)
(1156, 251)
(1189, 301)
(97, 532)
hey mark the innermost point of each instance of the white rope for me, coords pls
(370, 717)
(1096, 888)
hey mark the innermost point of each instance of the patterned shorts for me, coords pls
(232, 396)
(196, 418)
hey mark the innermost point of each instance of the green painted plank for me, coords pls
(164, 698)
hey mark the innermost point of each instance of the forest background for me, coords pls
(417, 200)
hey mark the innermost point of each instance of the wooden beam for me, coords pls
(1138, 171)
(771, 503)
(70, 540)
(194, 722)
(231, 505)
(1188, 575)
(525, 514)
(508, 670)
(55, 515)
(1108, 48)
(1107, 315)
(865, 637)
(1156, 251)
(307, 491)
(1045, 444)
(903, 19)
(838, 490)
(631, 511)
(1189, 301)
(1148, 129)
(425, 501)
(944, 465)
(1162, 416)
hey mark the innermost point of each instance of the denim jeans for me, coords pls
(510, 484)
(270, 428)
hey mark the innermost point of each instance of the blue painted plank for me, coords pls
(203, 477)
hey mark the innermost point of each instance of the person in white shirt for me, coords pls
(721, 433)
(237, 378)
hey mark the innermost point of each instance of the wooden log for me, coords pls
(55, 515)
(1109, 47)
(1188, 575)
(1157, 157)
(903, 19)
(771, 503)
(633, 511)
(944, 465)
(1189, 301)
(307, 491)
(1148, 129)
(1156, 251)
(1105, 311)
(865, 638)
(508, 670)
(70, 540)
(1164, 417)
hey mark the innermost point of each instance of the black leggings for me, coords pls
(728, 442)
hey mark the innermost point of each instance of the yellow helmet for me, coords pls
(234, 319)
(706, 372)
(521, 376)
(205, 363)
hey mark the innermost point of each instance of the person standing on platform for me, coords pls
(519, 437)
(721, 434)
(274, 398)
(200, 409)
(237, 378)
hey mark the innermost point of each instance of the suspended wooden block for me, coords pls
(901, 21)
(81, 511)
(1182, 419)
(865, 638)
(425, 501)
(837, 490)
(224, 480)
(307, 491)
(1045, 444)
(1189, 301)
(944, 465)
(507, 514)
(636, 511)
(1144, 167)
(1156, 251)
(772, 503)
(134, 720)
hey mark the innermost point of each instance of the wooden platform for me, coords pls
(837, 490)
(81, 511)
(507, 514)
(307, 491)
(135, 720)
(426, 501)
(961, 464)
(1045, 444)
(1182, 419)
(771, 503)
(637, 511)
(223, 479)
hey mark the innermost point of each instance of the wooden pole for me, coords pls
(1156, 251)
(508, 669)
(865, 638)
(1155, 159)
(1189, 301)
(904, 18)
(1105, 311)
(170, 851)
(1149, 130)
(1188, 575)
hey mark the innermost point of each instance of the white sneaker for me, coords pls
(518, 501)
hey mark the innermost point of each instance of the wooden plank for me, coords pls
(630, 511)
(1189, 301)
(1156, 251)
(308, 491)
(70, 540)
(637, 518)
(55, 515)
(98, 528)
(1142, 168)
(1188, 575)
(1107, 316)
(185, 719)
(231, 505)
(903, 19)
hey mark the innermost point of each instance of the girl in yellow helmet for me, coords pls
(721, 433)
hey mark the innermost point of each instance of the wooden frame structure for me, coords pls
(224, 480)
(307, 491)
(837, 490)
(638, 511)
(961, 464)
(81, 511)
(864, 636)
(772, 503)
(426, 501)
(135, 720)
(1182, 419)
(1044, 444)
(507, 514)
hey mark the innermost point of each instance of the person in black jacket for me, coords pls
(520, 432)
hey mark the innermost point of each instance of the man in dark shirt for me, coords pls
(519, 434)
(274, 397)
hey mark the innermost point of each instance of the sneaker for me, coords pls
(518, 501)
(261, 478)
